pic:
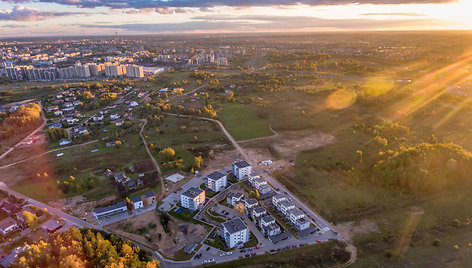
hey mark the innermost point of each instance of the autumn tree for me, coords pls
(31, 220)
(167, 154)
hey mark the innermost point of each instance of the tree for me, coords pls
(83, 248)
(198, 162)
(167, 154)
(31, 220)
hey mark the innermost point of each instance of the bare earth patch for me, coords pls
(285, 146)
(181, 233)
(77, 207)
(350, 229)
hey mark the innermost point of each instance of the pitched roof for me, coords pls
(251, 201)
(51, 225)
(150, 194)
(234, 226)
(136, 199)
(7, 222)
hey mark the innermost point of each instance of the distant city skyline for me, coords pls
(104, 17)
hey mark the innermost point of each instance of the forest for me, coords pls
(84, 248)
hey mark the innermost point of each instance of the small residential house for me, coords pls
(63, 142)
(257, 213)
(51, 226)
(150, 198)
(137, 202)
(121, 177)
(234, 198)
(119, 122)
(249, 204)
(97, 118)
(7, 225)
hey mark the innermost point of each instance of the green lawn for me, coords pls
(43, 191)
(242, 122)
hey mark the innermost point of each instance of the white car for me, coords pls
(211, 260)
(204, 262)
(222, 254)
(229, 253)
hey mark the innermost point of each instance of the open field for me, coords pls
(323, 255)
(179, 235)
(242, 122)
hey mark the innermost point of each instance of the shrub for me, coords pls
(436, 242)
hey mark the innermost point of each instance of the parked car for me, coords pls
(222, 254)
(242, 250)
(257, 247)
(204, 262)
(229, 253)
(208, 248)
(273, 251)
(250, 249)
(253, 254)
(318, 241)
(211, 260)
(247, 255)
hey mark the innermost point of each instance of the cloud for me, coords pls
(23, 13)
(212, 23)
(395, 14)
(138, 4)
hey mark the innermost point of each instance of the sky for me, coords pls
(125, 17)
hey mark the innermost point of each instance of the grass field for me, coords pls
(321, 255)
(242, 122)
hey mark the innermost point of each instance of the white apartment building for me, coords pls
(235, 233)
(216, 181)
(294, 214)
(115, 70)
(192, 199)
(234, 198)
(96, 69)
(241, 169)
(259, 182)
(268, 226)
(302, 224)
(285, 206)
(257, 213)
(134, 71)
(249, 204)
(277, 199)
(67, 72)
(83, 71)
(251, 177)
